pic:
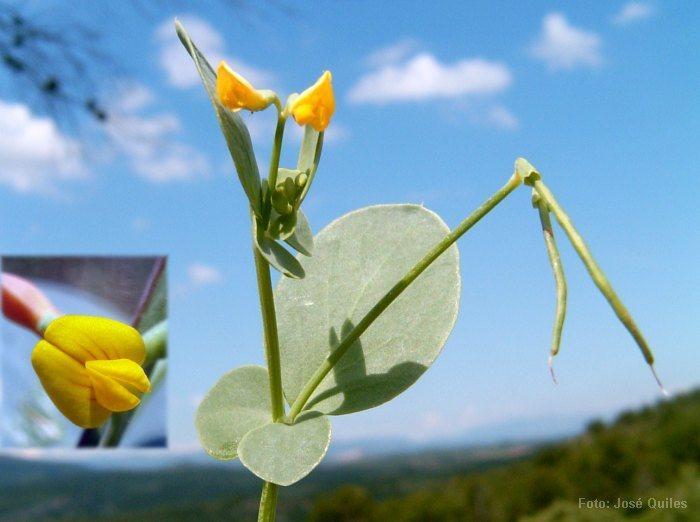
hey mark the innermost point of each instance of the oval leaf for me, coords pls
(232, 125)
(238, 403)
(284, 454)
(357, 259)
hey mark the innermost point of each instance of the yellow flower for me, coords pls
(236, 93)
(315, 106)
(91, 367)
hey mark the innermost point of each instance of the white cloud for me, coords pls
(500, 117)
(423, 77)
(133, 97)
(563, 46)
(392, 53)
(177, 64)
(35, 156)
(200, 274)
(149, 142)
(633, 12)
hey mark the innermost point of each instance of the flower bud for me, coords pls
(290, 189)
(280, 202)
(301, 179)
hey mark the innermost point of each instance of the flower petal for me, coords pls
(86, 338)
(316, 105)
(124, 371)
(110, 392)
(236, 93)
(68, 385)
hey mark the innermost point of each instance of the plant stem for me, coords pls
(268, 497)
(272, 351)
(156, 341)
(597, 274)
(559, 278)
(274, 165)
(268, 502)
(396, 290)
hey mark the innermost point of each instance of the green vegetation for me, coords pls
(651, 453)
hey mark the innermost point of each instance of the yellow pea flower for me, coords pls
(236, 93)
(315, 106)
(91, 367)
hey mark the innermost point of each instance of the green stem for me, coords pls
(274, 164)
(268, 502)
(272, 351)
(396, 290)
(559, 279)
(268, 497)
(156, 341)
(597, 274)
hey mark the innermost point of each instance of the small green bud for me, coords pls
(290, 189)
(280, 202)
(301, 179)
(282, 226)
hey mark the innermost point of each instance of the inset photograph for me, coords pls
(84, 352)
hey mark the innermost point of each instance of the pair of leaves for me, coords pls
(357, 259)
(235, 420)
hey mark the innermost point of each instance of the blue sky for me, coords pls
(433, 106)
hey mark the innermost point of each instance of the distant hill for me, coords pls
(653, 451)
(40, 490)
(647, 457)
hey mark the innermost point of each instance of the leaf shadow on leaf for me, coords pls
(353, 382)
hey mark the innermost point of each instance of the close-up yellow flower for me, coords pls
(91, 367)
(236, 93)
(315, 106)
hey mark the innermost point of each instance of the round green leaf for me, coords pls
(357, 259)
(238, 403)
(283, 453)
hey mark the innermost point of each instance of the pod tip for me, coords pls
(550, 365)
(664, 391)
